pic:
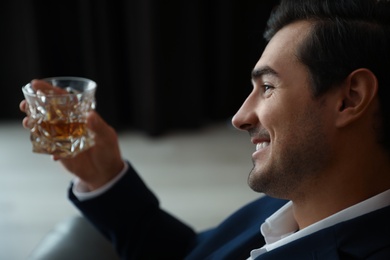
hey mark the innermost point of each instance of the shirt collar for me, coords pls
(281, 228)
(279, 225)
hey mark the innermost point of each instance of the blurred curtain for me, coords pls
(159, 65)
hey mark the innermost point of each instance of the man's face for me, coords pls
(287, 125)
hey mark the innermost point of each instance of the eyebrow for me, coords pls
(259, 72)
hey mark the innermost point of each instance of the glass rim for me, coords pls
(91, 86)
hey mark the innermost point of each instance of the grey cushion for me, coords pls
(74, 239)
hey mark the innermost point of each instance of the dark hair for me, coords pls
(346, 35)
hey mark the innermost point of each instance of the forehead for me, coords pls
(281, 50)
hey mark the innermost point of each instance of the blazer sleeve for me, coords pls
(129, 215)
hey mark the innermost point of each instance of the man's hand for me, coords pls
(97, 165)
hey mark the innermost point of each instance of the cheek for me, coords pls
(274, 117)
(284, 122)
(267, 118)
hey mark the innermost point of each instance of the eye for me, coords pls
(267, 87)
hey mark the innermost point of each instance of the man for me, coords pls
(317, 115)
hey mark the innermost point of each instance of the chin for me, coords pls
(256, 181)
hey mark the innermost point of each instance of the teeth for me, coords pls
(261, 145)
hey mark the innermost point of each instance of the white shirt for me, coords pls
(280, 228)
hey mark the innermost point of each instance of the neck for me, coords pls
(341, 187)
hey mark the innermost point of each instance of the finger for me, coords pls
(27, 123)
(23, 106)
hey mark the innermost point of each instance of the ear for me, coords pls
(357, 94)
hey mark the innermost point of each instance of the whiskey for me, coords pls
(61, 138)
(62, 130)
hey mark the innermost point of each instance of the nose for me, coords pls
(246, 117)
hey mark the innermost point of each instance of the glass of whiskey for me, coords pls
(58, 115)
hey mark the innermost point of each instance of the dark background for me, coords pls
(159, 64)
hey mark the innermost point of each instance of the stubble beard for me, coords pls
(288, 171)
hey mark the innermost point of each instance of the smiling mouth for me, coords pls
(262, 145)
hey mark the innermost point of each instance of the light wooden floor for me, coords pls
(199, 176)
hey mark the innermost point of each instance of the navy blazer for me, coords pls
(129, 215)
